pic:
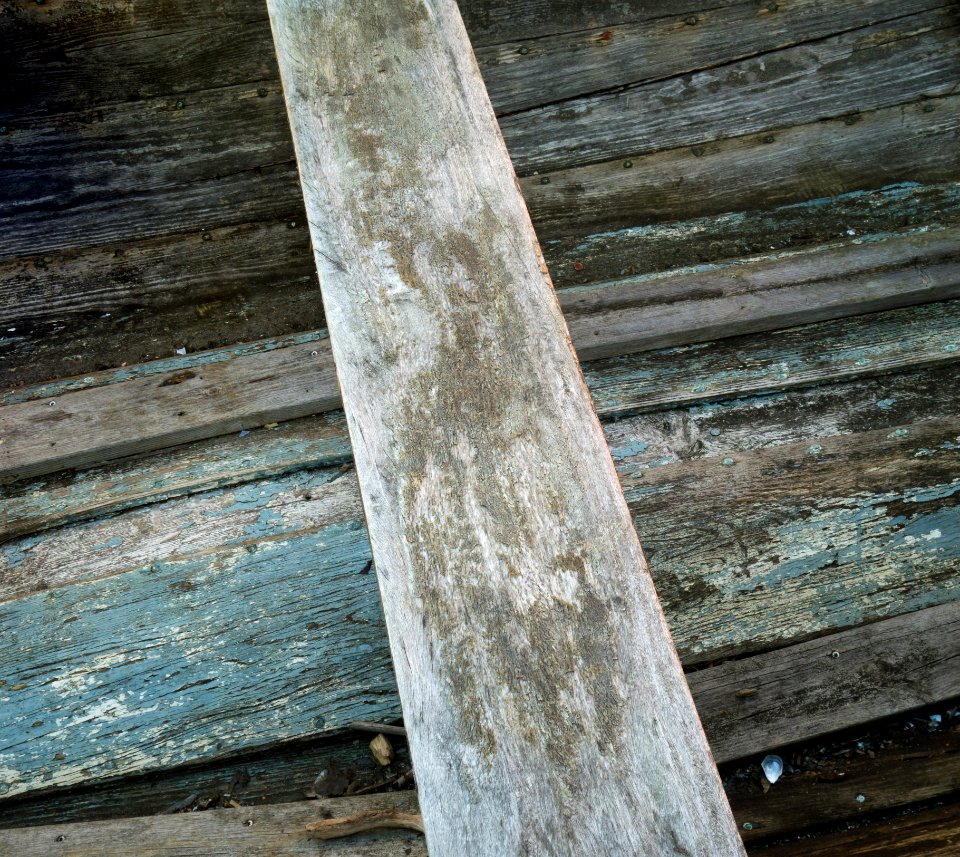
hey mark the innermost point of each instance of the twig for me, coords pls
(364, 822)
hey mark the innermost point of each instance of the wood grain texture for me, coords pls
(931, 833)
(568, 63)
(495, 518)
(682, 245)
(176, 580)
(268, 831)
(862, 69)
(889, 778)
(804, 690)
(187, 403)
(905, 143)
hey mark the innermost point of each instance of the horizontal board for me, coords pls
(905, 143)
(861, 528)
(863, 69)
(726, 300)
(227, 395)
(262, 831)
(564, 64)
(914, 769)
(684, 245)
(930, 833)
(141, 300)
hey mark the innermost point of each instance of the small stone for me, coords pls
(727, 462)
(861, 798)
(382, 749)
(772, 768)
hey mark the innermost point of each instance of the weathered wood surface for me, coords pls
(888, 778)
(96, 423)
(814, 547)
(80, 55)
(643, 313)
(178, 290)
(749, 365)
(914, 142)
(496, 521)
(683, 245)
(263, 831)
(829, 684)
(863, 69)
(276, 831)
(931, 833)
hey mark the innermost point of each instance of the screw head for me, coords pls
(180, 104)
(524, 50)
(544, 179)
(691, 20)
(627, 164)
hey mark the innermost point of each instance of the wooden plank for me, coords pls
(565, 64)
(933, 833)
(191, 404)
(177, 290)
(644, 313)
(635, 442)
(456, 365)
(685, 245)
(864, 69)
(887, 777)
(161, 167)
(831, 683)
(752, 172)
(263, 831)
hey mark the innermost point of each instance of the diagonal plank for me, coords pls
(527, 673)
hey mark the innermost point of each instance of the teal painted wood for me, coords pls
(757, 364)
(196, 656)
(309, 443)
(197, 638)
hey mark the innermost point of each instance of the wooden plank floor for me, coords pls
(827, 451)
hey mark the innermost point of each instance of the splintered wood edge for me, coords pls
(364, 822)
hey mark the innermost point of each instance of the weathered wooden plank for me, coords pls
(91, 56)
(863, 69)
(263, 831)
(497, 525)
(931, 833)
(169, 164)
(685, 245)
(646, 312)
(636, 442)
(887, 778)
(85, 428)
(191, 404)
(563, 65)
(146, 168)
(861, 346)
(179, 291)
(911, 142)
(829, 684)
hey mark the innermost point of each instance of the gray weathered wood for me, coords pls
(495, 518)
(867, 68)
(95, 424)
(262, 831)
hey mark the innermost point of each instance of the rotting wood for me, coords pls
(96, 424)
(455, 365)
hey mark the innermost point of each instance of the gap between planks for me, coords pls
(96, 424)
